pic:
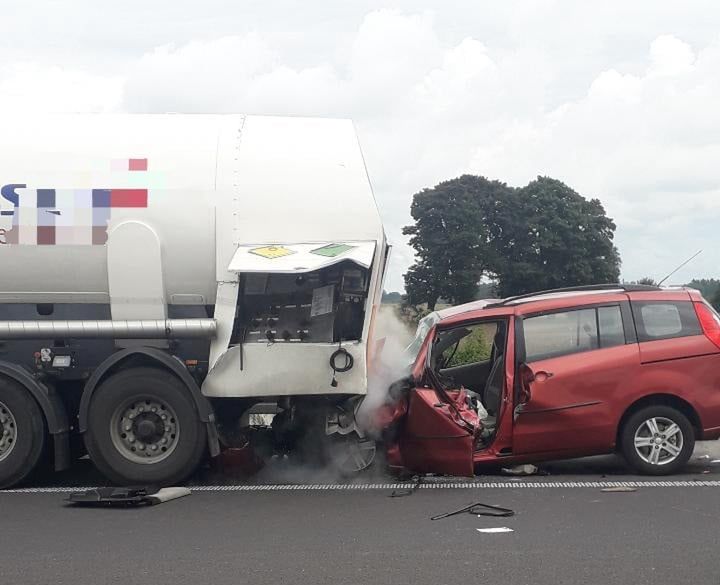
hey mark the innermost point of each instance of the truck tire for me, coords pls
(143, 429)
(657, 440)
(22, 433)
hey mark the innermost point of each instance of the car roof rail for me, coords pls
(581, 288)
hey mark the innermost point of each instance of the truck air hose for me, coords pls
(349, 362)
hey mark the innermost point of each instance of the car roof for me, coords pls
(555, 299)
(465, 307)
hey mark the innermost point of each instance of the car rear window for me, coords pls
(665, 320)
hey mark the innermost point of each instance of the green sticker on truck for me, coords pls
(332, 250)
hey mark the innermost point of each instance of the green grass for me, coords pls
(473, 348)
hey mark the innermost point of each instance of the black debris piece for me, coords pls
(408, 491)
(126, 496)
(479, 509)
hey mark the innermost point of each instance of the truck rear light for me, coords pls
(709, 321)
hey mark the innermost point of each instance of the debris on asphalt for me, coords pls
(619, 488)
(408, 491)
(526, 469)
(495, 530)
(126, 496)
(479, 509)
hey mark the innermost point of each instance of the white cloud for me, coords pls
(35, 87)
(646, 145)
(670, 56)
(621, 105)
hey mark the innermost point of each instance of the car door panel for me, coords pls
(438, 435)
(570, 407)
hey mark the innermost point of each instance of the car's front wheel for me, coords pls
(657, 440)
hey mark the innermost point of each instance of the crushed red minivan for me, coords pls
(564, 373)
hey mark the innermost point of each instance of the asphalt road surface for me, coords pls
(565, 530)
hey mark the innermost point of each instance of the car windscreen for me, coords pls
(423, 328)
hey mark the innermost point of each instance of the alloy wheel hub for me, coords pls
(658, 441)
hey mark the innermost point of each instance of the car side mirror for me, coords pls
(527, 376)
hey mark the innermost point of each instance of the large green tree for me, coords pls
(548, 236)
(451, 239)
(543, 235)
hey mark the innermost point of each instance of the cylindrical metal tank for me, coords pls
(68, 181)
(147, 210)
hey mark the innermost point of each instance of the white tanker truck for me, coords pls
(165, 279)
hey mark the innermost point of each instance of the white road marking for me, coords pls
(495, 530)
(429, 485)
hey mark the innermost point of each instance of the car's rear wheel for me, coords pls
(657, 440)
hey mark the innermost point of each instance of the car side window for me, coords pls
(473, 347)
(665, 320)
(574, 331)
(562, 333)
(610, 322)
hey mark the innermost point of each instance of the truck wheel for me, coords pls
(22, 433)
(143, 429)
(351, 455)
(657, 440)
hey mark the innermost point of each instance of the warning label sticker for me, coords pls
(322, 300)
(271, 252)
(332, 250)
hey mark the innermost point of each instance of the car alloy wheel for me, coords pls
(658, 441)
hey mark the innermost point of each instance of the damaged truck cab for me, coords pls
(559, 374)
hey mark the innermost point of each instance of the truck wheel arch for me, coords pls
(149, 356)
(52, 408)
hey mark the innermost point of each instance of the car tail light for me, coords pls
(709, 321)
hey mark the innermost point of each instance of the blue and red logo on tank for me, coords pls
(49, 217)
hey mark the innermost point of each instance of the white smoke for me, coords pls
(391, 363)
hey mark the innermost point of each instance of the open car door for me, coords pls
(436, 428)
(439, 433)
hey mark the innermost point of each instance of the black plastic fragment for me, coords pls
(113, 496)
(479, 509)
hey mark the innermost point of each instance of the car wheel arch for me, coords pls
(660, 398)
